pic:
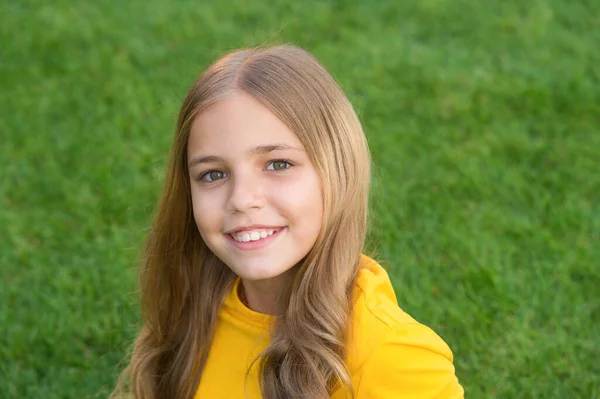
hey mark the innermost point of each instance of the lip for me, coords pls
(250, 245)
(239, 229)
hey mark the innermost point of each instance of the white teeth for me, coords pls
(252, 235)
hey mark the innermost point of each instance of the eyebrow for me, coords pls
(260, 150)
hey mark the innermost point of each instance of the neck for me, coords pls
(264, 296)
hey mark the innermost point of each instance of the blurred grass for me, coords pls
(484, 123)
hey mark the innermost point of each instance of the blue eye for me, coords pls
(213, 175)
(279, 165)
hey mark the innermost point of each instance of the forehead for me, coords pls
(236, 124)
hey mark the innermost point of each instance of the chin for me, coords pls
(257, 270)
(255, 275)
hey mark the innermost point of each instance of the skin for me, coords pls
(248, 180)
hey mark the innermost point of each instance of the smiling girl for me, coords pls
(254, 283)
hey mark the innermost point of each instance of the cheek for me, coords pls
(306, 203)
(315, 195)
(204, 210)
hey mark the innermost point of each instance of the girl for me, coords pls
(253, 283)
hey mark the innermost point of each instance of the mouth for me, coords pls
(254, 239)
(254, 235)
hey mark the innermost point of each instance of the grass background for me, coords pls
(484, 122)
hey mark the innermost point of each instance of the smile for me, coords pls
(253, 235)
(254, 239)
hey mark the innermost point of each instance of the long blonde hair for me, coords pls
(183, 284)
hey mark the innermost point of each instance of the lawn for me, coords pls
(483, 118)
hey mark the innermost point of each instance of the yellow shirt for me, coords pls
(390, 355)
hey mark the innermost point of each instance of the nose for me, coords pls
(246, 193)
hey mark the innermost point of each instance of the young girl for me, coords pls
(253, 283)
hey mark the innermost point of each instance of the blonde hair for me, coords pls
(183, 283)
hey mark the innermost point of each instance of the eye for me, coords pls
(279, 165)
(213, 175)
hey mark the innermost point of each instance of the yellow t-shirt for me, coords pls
(390, 355)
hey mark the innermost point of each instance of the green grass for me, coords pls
(484, 122)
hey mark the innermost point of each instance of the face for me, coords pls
(256, 196)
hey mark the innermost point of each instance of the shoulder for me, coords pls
(390, 354)
(411, 361)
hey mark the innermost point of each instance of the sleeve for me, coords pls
(412, 362)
